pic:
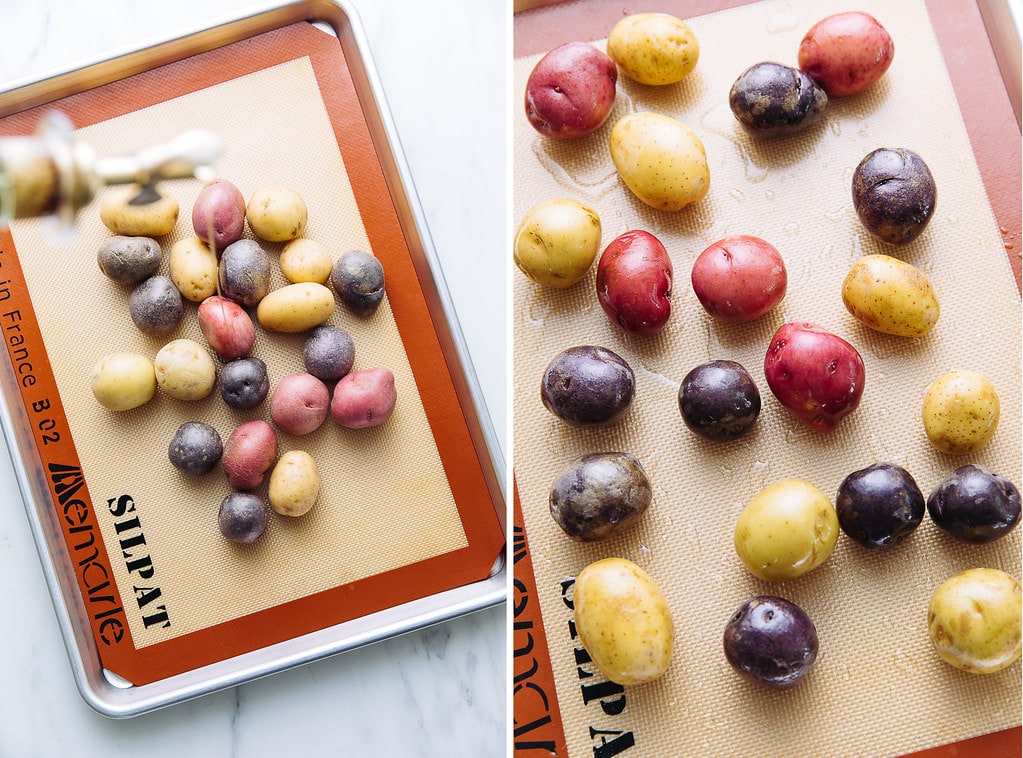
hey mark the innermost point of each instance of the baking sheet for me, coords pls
(877, 688)
(408, 512)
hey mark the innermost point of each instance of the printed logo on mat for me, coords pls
(605, 701)
(101, 596)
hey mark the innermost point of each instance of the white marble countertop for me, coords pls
(439, 691)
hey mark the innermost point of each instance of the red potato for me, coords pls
(364, 398)
(846, 53)
(739, 278)
(815, 374)
(570, 91)
(249, 452)
(299, 404)
(218, 214)
(226, 326)
(634, 277)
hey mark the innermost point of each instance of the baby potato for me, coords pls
(890, 296)
(295, 307)
(960, 412)
(294, 484)
(155, 306)
(132, 212)
(123, 381)
(653, 48)
(788, 529)
(244, 272)
(570, 91)
(218, 214)
(739, 278)
(364, 398)
(623, 621)
(660, 159)
(129, 260)
(226, 326)
(306, 260)
(277, 214)
(184, 370)
(192, 265)
(557, 241)
(974, 620)
(249, 452)
(634, 278)
(846, 53)
(599, 495)
(894, 194)
(772, 100)
(299, 403)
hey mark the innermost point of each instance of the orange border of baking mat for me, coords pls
(995, 137)
(466, 474)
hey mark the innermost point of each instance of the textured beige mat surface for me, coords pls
(877, 688)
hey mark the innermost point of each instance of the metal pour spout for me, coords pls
(48, 174)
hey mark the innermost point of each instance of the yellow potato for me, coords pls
(960, 412)
(276, 214)
(788, 529)
(122, 381)
(660, 159)
(306, 260)
(295, 308)
(294, 484)
(653, 48)
(974, 620)
(149, 219)
(890, 296)
(192, 265)
(557, 242)
(623, 621)
(184, 370)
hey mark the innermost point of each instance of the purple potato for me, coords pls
(155, 306)
(879, 506)
(328, 353)
(244, 383)
(587, 385)
(772, 100)
(358, 279)
(771, 641)
(242, 517)
(974, 504)
(719, 400)
(195, 448)
(599, 495)
(244, 272)
(894, 194)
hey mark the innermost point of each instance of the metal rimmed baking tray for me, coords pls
(440, 596)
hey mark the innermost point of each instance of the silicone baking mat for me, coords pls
(877, 688)
(404, 508)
